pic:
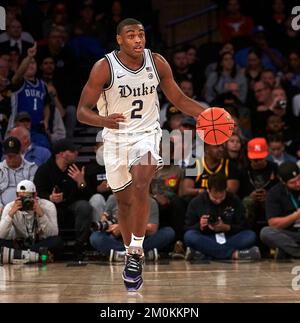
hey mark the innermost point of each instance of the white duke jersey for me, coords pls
(132, 93)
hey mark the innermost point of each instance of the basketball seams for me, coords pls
(209, 124)
(224, 133)
(213, 125)
(212, 116)
(216, 124)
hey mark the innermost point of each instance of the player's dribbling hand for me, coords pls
(112, 121)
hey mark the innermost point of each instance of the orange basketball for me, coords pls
(215, 126)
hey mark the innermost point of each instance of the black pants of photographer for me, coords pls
(77, 216)
(53, 244)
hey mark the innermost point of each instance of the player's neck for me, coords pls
(134, 63)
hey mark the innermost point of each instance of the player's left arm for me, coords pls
(172, 90)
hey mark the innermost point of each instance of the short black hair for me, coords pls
(127, 22)
(217, 182)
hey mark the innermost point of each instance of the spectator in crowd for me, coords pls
(260, 113)
(277, 152)
(291, 77)
(14, 36)
(283, 213)
(29, 222)
(23, 119)
(233, 24)
(275, 22)
(183, 71)
(30, 95)
(254, 67)
(256, 180)
(212, 67)
(234, 151)
(215, 223)
(63, 183)
(13, 169)
(227, 72)
(253, 72)
(65, 64)
(271, 57)
(174, 118)
(269, 76)
(213, 162)
(31, 152)
(107, 237)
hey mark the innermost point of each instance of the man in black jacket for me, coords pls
(63, 183)
(215, 223)
(283, 213)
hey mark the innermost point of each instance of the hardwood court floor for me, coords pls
(178, 281)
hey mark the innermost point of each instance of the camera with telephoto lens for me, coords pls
(17, 256)
(282, 104)
(102, 225)
(27, 203)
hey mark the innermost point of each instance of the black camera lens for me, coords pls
(213, 219)
(27, 203)
(100, 225)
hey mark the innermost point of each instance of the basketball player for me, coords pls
(128, 78)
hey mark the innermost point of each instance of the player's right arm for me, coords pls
(99, 77)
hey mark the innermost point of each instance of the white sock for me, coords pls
(136, 241)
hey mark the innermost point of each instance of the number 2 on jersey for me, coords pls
(139, 104)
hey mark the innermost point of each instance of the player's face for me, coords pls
(132, 40)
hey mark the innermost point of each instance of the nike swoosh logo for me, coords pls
(119, 76)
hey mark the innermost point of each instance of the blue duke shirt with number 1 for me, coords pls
(30, 98)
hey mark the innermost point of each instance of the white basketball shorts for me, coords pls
(121, 152)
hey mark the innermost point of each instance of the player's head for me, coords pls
(131, 36)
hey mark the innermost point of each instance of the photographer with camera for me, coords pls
(29, 222)
(215, 223)
(106, 237)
